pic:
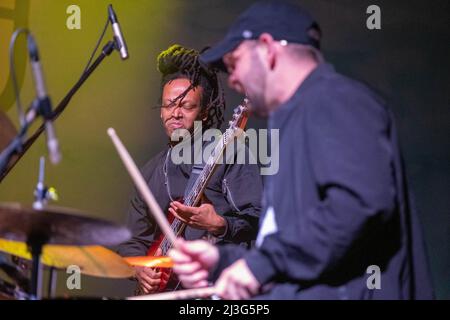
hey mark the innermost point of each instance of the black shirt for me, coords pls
(340, 200)
(235, 191)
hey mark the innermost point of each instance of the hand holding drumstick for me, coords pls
(193, 260)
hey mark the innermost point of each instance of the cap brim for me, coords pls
(213, 56)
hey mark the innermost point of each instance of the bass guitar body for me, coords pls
(168, 279)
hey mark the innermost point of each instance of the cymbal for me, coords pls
(55, 225)
(150, 261)
(95, 261)
(7, 130)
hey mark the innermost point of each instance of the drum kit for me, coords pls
(42, 236)
(57, 238)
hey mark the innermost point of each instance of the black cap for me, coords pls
(282, 20)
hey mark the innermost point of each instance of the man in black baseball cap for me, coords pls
(285, 22)
(285, 30)
(337, 219)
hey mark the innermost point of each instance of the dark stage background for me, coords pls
(407, 61)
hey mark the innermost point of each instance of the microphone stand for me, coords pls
(16, 145)
(19, 148)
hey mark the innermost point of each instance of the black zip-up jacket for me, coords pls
(340, 201)
(235, 191)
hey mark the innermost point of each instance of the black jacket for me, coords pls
(341, 201)
(235, 190)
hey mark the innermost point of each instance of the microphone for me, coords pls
(118, 36)
(45, 105)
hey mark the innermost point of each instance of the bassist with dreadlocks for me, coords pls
(230, 208)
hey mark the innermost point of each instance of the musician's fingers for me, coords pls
(242, 292)
(201, 284)
(221, 284)
(194, 278)
(150, 287)
(230, 292)
(253, 287)
(149, 276)
(197, 247)
(143, 290)
(151, 272)
(175, 203)
(145, 279)
(187, 268)
(152, 282)
(245, 285)
(233, 290)
(191, 281)
(225, 286)
(178, 216)
(196, 285)
(242, 287)
(179, 257)
(179, 206)
(158, 252)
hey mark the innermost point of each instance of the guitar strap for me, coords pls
(195, 173)
(191, 233)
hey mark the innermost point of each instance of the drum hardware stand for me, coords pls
(16, 145)
(36, 242)
(42, 193)
(52, 283)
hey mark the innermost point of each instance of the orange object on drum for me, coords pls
(150, 261)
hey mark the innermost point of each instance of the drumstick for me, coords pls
(142, 187)
(181, 294)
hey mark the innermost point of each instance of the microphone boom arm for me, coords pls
(7, 162)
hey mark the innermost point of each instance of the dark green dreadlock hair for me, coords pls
(180, 62)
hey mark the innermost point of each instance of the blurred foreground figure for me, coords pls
(338, 222)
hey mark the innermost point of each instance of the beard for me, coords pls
(256, 88)
(257, 105)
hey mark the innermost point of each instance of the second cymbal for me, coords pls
(95, 261)
(59, 226)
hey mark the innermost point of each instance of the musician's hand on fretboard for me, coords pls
(204, 217)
